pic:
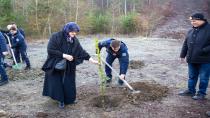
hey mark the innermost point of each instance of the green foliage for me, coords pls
(100, 72)
(40, 18)
(128, 24)
(99, 23)
(6, 12)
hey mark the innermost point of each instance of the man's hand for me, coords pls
(122, 76)
(182, 60)
(68, 57)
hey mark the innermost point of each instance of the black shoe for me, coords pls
(27, 68)
(186, 93)
(198, 97)
(109, 80)
(120, 82)
(208, 113)
(6, 65)
(75, 102)
(3, 82)
(61, 105)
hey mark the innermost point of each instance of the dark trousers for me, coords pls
(110, 59)
(196, 71)
(17, 56)
(2, 70)
(24, 56)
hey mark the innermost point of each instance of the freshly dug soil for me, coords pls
(136, 64)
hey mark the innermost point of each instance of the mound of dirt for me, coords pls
(149, 92)
(24, 74)
(116, 96)
(136, 64)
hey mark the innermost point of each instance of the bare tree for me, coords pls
(37, 23)
(77, 11)
(107, 4)
(125, 7)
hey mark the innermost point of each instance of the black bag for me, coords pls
(61, 65)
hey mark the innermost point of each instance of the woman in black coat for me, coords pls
(60, 84)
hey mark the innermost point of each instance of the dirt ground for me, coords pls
(154, 70)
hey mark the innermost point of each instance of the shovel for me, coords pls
(125, 82)
(16, 66)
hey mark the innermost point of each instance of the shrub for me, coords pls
(99, 23)
(128, 24)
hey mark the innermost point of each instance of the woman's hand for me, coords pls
(93, 61)
(5, 53)
(68, 57)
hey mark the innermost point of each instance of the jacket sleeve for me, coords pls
(22, 32)
(206, 49)
(82, 55)
(103, 44)
(184, 49)
(53, 48)
(3, 46)
(124, 62)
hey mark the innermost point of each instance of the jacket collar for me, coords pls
(203, 25)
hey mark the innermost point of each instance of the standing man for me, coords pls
(3, 52)
(196, 50)
(115, 49)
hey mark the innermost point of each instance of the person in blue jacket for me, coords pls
(13, 24)
(3, 52)
(7, 32)
(18, 43)
(115, 49)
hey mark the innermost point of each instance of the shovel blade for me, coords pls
(17, 67)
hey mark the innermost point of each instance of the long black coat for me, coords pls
(60, 85)
(196, 47)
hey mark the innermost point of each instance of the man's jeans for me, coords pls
(196, 71)
(2, 70)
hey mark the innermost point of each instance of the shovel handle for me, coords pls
(126, 83)
(11, 50)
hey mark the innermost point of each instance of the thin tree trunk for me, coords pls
(107, 4)
(23, 8)
(148, 2)
(48, 24)
(102, 4)
(37, 24)
(65, 15)
(134, 7)
(77, 9)
(92, 3)
(125, 7)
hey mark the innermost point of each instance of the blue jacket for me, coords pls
(18, 41)
(3, 46)
(22, 32)
(106, 43)
(122, 54)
